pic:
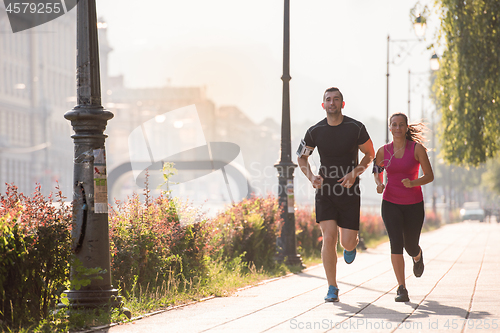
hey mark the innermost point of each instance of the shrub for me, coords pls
(249, 228)
(371, 227)
(432, 220)
(35, 247)
(149, 244)
(309, 236)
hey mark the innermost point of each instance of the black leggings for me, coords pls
(403, 224)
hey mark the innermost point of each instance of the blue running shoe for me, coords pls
(349, 256)
(333, 294)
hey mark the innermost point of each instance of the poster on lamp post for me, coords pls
(100, 182)
(290, 196)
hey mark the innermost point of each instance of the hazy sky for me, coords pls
(235, 49)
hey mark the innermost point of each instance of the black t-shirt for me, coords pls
(337, 146)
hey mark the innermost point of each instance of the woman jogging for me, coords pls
(402, 204)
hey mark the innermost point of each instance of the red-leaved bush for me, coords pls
(371, 226)
(35, 249)
(309, 237)
(432, 220)
(250, 228)
(149, 244)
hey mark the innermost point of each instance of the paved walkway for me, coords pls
(458, 292)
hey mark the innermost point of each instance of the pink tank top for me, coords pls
(398, 169)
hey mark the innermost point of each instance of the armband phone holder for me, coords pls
(304, 150)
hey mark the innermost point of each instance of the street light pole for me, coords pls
(410, 90)
(285, 166)
(90, 231)
(387, 95)
(389, 41)
(433, 164)
(409, 93)
(419, 27)
(434, 64)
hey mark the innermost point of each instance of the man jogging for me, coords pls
(338, 139)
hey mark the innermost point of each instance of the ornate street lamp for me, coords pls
(434, 62)
(90, 203)
(285, 166)
(419, 26)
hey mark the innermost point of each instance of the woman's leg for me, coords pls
(414, 219)
(398, 264)
(393, 220)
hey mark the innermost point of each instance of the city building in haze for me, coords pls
(37, 86)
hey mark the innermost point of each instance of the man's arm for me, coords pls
(304, 165)
(367, 149)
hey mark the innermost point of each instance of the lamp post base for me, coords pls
(290, 260)
(94, 299)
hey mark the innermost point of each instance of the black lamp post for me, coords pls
(285, 166)
(90, 215)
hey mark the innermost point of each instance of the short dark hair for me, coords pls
(333, 89)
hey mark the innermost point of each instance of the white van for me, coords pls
(472, 211)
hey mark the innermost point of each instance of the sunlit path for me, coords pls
(457, 293)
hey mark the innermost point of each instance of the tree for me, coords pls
(467, 87)
(491, 178)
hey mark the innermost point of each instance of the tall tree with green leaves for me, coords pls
(467, 87)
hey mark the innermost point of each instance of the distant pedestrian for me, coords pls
(338, 139)
(402, 205)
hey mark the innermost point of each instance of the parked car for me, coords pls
(472, 211)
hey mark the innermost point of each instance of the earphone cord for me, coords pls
(390, 159)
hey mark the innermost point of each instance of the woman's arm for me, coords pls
(379, 176)
(425, 164)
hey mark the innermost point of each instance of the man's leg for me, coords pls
(329, 250)
(348, 238)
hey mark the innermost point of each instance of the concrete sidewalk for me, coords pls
(458, 292)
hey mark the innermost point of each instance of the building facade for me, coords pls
(37, 86)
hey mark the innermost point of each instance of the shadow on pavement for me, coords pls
(307, 275)
(367, 310)
(426, 310)
(433, 308)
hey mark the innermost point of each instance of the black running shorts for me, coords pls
(335, 202)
